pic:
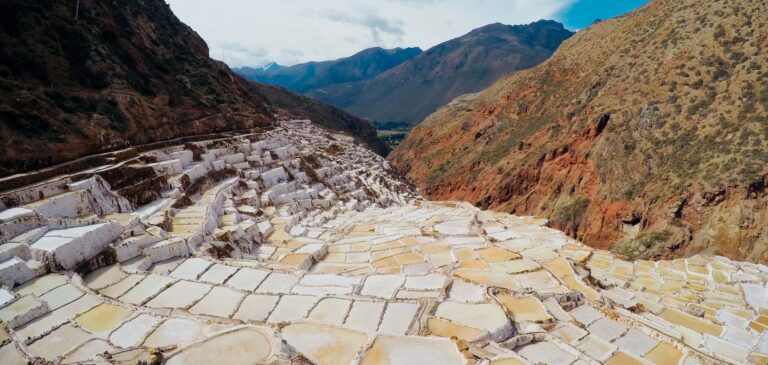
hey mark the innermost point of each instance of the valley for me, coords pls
(517, 195)
(296, 245)
(392, 137)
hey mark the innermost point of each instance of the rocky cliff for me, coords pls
(104, 76)
(645, 134)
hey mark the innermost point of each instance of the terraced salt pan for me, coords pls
(320, 290)
(488, 278)
(397, 318)
(165, 267)
(256, 307)
(191, 269)
(454, 227)
(104, 277)
(292, 307)
(416, 294)
(596, 348)
(525, 308)
(182, 294)
(324, 345)
(444, 328)
(607, 329)
(485, 316)
(150, 286)
(391, 350)
(330, 310)
(277, 283)
(703, 301)
(465, 241)
(219, 302)
(175, 331)
(247, 345)
(55, 318)
(462, 291)
(41, 285)
(504, 235)
(88, 350)
(11, 355)
(636, 342)
(103, 318)
(539, 254)
(329, 280)
(58, 342)
(586, 314)
(5, 297)
(23, 310)
(247, 279)
(218, 274)
(364, 315)
(133, 332)
(61, 296)
(426, 282)
(546, 353)
(664, 354)
(382, 286)
(121, 287)
(569, 333)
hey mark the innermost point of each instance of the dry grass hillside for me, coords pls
(646, 134)
(123, 73)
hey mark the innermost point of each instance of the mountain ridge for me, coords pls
(121, 75)
(417, 83)
(308, 76)
(645, 134)
(469, 63)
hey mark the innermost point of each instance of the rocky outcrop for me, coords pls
(645, 134)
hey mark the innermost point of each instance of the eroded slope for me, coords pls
(646, 134)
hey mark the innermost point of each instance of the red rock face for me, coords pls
(631, 137)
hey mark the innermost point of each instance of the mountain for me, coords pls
(306, 77)
(411, 91)
(120, 74)
(272, 66)
(646, 134)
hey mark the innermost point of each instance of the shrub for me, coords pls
(572, 211)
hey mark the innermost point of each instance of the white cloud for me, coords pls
(255, 32)
(369, 19)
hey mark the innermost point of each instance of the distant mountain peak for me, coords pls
(409, 92)
(271, 66)
(305, 77)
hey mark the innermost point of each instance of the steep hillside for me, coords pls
(309, 76)
(411, 91)
(646, 134)
(122, 73)
(294, 106)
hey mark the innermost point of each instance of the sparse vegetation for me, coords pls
(684, 85)
(572, 211)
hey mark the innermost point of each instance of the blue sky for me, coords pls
(582, 13)
(256, 32)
